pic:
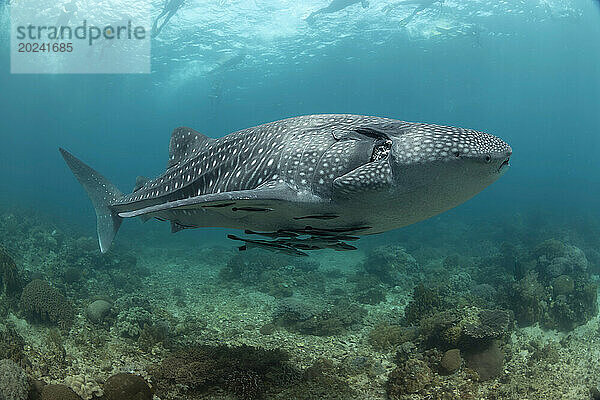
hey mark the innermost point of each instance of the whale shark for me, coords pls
(304, 183)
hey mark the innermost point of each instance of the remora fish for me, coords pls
(315, 175)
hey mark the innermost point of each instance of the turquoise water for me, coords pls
(526, 71)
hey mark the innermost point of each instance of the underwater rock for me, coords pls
(372, 296)
(389, 263)
(11, 345)
(298, 316)
(464, 328)
(248, 267)
(274, 274)
(72, 275)
(528, 299)
(451, 361)
(559, 293)
(153, 333)
(83, 253)
(84, 386)
(9, 274)
(294, 309)
(385, 337)
(567, 311)
(555, 258)
(130, 322)
(319, 381)
(368, 290)
(98, 310)
(484, 291)
(595, 392)
(424, 302)
(563, 285)
(267, 329)
(488, 325)
(127, 281)
(42, 302)
(58, 392)
(488, 363)
(410, 377)
(14, 384)
(276, 283)
(593, 256)
(126, 386)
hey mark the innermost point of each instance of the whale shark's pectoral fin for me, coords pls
(372, 176)
(259, 200)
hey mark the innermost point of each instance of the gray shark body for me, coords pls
(307, 182)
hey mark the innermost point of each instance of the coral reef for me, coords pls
(274, 274)
(487, 363)
(557, 290)
(415, 320)
(451, 361)
(299, 316)
(98, 310)
(9, 274)
(131, 321)
(425, 302)
(465, 328)
(42, 302)
(319, 381)
(125, 386)
(410, 377)
(11, 345)
(389, 263)
(84, 386)
(246, 372)
(386, 337)
(58, 392)
(14, 384)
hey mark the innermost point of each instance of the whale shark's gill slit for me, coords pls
(324, 217)
(372, 133)
(251, 209)
(218, 205)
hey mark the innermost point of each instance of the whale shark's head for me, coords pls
(445, 166)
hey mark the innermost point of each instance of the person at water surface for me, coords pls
(170, 9)
(335, 6)
(421, 5)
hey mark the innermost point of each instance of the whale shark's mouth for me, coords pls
(505, 164)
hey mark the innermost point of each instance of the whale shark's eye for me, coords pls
(456, 154)
(488, 158)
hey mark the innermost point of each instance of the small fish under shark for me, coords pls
(305, 183)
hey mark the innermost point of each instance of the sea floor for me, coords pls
(185, 293)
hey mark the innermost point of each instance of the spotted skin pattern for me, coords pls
(302, 152)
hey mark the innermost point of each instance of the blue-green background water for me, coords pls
(528, 72)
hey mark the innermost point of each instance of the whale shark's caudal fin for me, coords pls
(102, 193)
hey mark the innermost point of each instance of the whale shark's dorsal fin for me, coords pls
(140, 181)
(185, 143)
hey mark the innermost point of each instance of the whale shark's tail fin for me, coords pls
(102, 193)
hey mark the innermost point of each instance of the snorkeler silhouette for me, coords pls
(171, 7)
(336, 5)
(68, 10)
(421, 5)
